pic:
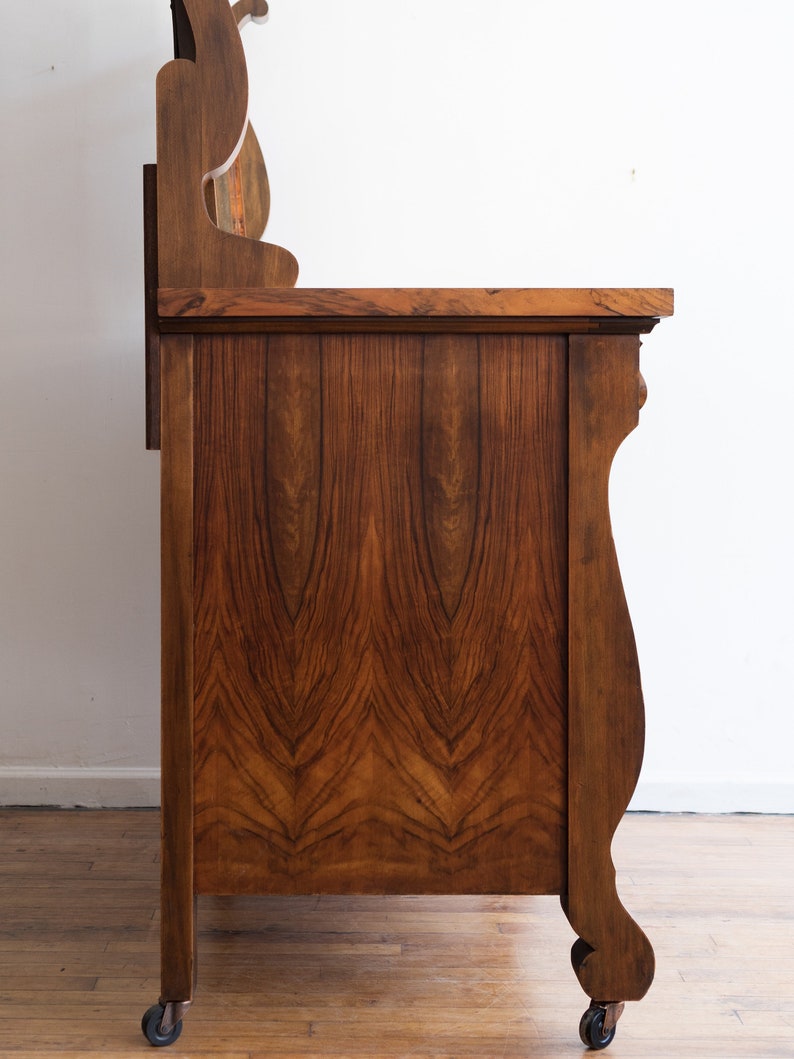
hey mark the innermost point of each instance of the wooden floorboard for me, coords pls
(387, 977)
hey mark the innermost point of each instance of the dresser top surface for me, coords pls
(415, 302)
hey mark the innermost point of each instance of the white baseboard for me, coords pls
(734, 794)
(136, 788)
(90, 788)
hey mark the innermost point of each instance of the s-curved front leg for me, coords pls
(612, 958)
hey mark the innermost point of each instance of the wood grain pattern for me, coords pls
(238, 201)
(386, 977)
(293, 458)
(612, 958)
(202, 102)
(255, 185)
(367, 741)
(450, 458)
(225, 301)
(224, 200)
(392, 976)
(178, 914)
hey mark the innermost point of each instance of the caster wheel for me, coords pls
(591, 1029)
(150, 1024)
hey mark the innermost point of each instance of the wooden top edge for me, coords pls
(362, 303)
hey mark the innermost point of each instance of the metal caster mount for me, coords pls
(162, 1023)
(598, 1024)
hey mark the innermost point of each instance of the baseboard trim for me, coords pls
(86, 788)
(139, 788)
(742, 794)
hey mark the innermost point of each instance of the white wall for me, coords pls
(452, 143)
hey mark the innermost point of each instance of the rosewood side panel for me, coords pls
(380, 614)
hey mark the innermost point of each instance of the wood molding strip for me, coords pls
(202, 302)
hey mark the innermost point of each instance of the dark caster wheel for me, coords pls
(591, 1029)
(150, 1024)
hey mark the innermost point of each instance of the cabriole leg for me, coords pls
(606, 728)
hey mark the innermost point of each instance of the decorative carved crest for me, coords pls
(212, 188)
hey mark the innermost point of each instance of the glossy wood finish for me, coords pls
(459, 304)
(450, 471)
(392, 976)
(238, 201)
(290, 407)
(612, 958)
(412, 650)
(396, 652)
(380, 614)
(420, 311)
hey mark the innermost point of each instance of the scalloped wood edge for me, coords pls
(202, 121)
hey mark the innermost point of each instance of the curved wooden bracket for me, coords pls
(202, 132)
(246, 11)
(613, 959)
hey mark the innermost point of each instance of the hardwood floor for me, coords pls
(401, 976)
